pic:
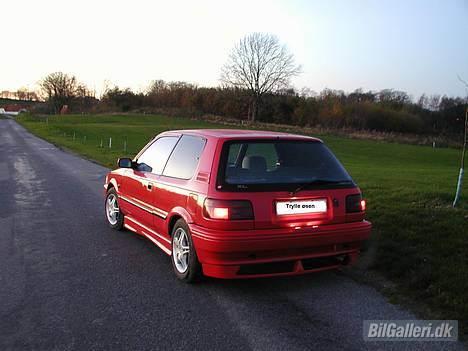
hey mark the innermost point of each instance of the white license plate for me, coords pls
(299, 207)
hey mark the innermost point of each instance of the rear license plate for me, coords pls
(300, 207)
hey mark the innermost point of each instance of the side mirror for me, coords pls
(125, 163)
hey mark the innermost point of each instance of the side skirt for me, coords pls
(136, 227)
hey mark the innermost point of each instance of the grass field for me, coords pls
(420, 241)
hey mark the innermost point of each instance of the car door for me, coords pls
(141, 181)
(174, 187)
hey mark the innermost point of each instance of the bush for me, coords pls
(382, 119)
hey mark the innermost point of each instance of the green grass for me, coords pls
(84, 134)
(421, 241)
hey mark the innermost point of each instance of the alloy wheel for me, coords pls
(181, 250)
(112, 209)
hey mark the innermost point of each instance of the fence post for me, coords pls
(110, 143)
(125, 145)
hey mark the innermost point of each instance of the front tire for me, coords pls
(114, 216)
(184, 257)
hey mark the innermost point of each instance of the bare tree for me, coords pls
(22, 94)
(434, 102)
(58, 89)
(260, 64)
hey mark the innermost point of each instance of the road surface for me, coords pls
(68, 282)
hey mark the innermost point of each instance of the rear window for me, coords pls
(279, 164)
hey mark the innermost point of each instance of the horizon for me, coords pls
(414, 47)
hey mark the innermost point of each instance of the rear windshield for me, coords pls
(285, 164)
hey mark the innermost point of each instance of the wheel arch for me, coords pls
(176, 214)
(113, 184)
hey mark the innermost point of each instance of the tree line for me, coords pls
(255, 85)
(386, 110)
(23, 94)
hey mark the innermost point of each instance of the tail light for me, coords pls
(228, 209)
(355, 203)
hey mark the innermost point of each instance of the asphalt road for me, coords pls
(68, 282)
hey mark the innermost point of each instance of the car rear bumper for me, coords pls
(273, 252)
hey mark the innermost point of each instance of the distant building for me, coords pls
(64, 110)
(13, 109)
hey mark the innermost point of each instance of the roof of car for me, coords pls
(242, 133)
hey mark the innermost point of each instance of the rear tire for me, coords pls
(184, 257)
(114, 216)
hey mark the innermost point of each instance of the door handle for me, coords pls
(149, 186)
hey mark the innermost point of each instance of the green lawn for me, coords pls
(84, 134)
(421, 241)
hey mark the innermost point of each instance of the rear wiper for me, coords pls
(318, 182)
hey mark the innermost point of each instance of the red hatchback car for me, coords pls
(239, 203)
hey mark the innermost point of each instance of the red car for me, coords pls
(239, 203)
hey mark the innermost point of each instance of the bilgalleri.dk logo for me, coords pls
(410, 330)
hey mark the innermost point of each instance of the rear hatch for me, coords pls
(290, 183)
(308, 208)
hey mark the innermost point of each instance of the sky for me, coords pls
(413, 45)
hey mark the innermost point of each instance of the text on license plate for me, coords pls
(298, 207)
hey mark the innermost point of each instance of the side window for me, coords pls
(184, 159)
(234, 150)
(155, 156)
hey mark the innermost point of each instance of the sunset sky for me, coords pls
(415, 46)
